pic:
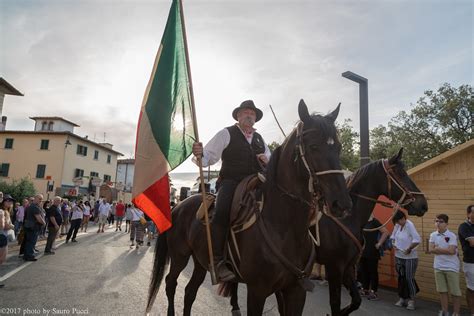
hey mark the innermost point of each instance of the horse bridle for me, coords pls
(393, 177)
(301, 274)
(313, 175)
(402, 201)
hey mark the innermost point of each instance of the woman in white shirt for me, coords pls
(405, 240)
(76, 220)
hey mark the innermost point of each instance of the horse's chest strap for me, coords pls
(300, 274)
(348, 232)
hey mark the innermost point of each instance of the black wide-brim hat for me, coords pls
(8, 198)
(248, 104)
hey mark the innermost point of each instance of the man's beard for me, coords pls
(247, 120)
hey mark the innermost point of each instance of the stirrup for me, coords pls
(224, 274)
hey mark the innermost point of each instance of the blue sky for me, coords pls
(90, 61)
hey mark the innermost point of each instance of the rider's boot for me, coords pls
(219, 235)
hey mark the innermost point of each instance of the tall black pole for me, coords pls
(364, 114)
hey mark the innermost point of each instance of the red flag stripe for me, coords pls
(155, 202)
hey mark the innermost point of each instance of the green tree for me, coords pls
(437, 122)
(273, 145)
(349, 139)
(18, 189)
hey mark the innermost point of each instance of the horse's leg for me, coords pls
(234, 299)
(255, 302)
(351, 284)
(296, 297)
(334, 276)
(178, 263)
(281, 302)
(199, 274)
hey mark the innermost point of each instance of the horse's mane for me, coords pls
(271, 173)
(360, 174)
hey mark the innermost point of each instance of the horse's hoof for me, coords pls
(236, 313)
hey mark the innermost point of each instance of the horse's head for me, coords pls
(401, 188)
(318, 148)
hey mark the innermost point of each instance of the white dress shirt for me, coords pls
(212, 152)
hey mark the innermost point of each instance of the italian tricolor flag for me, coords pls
(165, 131)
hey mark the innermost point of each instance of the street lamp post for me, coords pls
(364, 114)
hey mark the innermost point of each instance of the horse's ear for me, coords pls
(303, 111)
(396, 158)
(333, 115)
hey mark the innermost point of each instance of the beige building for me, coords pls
(53, 155)
(5, 89)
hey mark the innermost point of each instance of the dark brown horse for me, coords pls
(337, 251)
(306, 164)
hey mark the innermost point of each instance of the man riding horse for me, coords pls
(243, 152)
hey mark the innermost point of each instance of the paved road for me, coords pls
(101, 275)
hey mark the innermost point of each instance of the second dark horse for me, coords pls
(337, 251)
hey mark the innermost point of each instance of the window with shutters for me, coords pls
(78, 173)
(40, 171)
(96, 155)
(44, 144)
(9, 143)
(4, 168)
(81, 150)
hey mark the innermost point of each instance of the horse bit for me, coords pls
(402, 201)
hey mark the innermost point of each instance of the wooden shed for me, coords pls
(448, 183)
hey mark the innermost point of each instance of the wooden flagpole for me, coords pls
(199, 159)
(281, 129)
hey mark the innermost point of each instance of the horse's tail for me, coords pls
(225, 289)
(159, 265)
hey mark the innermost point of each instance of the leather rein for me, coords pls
(402, 202)
(313, 180)
(312, 183)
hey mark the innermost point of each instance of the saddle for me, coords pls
(244, 204)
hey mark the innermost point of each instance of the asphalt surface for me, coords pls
(102, 275)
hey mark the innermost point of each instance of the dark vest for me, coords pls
(239, 158)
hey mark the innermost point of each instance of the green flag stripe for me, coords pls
(168, 105)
